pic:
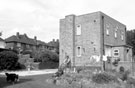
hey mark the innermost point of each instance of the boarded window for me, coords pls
(78, 30)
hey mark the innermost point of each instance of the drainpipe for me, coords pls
(74, 42)
(102, 45)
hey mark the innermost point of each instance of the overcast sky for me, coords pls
(41, 17)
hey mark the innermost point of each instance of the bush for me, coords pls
(54, 57)
(8, 60)
(47, 55)
(27, 52)
(124, 75)
(42, 56)
(19, 66)
(121, 69)
(103, 78)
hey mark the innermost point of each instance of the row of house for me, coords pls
(22, 42)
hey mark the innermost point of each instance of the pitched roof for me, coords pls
(41, 43)
(2, 39)
(21, 39)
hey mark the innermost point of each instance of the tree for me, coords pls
(131, 39)
(8, 60)
(45, 56)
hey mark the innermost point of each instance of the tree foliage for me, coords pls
(8, 60)
(131, 39)
(48, 56)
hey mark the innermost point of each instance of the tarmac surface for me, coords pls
(32, 72)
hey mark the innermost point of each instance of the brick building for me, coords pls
(22, 42)
(87, 38)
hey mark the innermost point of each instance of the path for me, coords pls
(32, 72)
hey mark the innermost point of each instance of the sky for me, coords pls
(41, 17)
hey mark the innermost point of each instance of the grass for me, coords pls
(38, 81)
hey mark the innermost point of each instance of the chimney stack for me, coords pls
(17, 34)
(53, 40)
(35, 37)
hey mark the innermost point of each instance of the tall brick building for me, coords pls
(87, 38)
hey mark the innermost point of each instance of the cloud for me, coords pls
(41, 17)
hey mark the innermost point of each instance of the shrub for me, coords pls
(8, 60)
(45, 56)
(124, 75)
(42, 56)
(54, 57)
(79, 69)
(121, 69)
(103, 78)
(19, 66)
(48, 56)
(27, 52)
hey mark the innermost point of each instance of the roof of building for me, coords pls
(2, 39)
(21, 39)
(120, 45)
(124, 46)
(25, 39)
(41, 43)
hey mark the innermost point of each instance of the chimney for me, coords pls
(53, 40)
(25, 34)
(35, 37)
(17, 34)
(57, 40)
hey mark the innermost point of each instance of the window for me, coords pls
(28, 46)
(122, 36)
(18, 44)
(78, 30)
(107, 29)
(116, 29)
(116, 53)
(115, 33)
(78, 51)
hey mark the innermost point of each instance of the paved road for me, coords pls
(32, 72)
(35, 81)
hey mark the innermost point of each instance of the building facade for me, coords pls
(23, 42)
(88, 38)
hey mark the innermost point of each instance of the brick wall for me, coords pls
(112, 25)
(89, 40)
(66, 37)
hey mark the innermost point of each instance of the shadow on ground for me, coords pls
(4, 84)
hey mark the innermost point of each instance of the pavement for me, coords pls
(32, 72)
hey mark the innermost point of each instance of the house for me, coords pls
(20, 42)
(88, 39)
(2, 43)
(43, 46)
(54, 45)
(23, 42)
